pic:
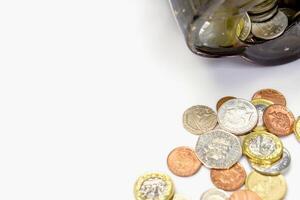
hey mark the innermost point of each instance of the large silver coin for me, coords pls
(271, 29)
(199, 119)
(214, 194)
(218, 149)
(276, 168)
(264, 16)
(244, 27)
(238, 116)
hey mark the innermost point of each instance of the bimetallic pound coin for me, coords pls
(218, 149)
(261, 105)
(223, 100)
(279, 120)
(276, 168)
(237, 116)
(262, 148)
(154, 186)
(271, 29)
(244, 28)
(229, 179)
(244, 195)
(270, 94)
(199, 119)
(267, 187)
(214, 194)
(297, 129)
(183, 162)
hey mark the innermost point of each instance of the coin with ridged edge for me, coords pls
(214, 194)
(244, 27)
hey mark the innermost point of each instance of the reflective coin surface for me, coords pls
(229, 179)
(238, 116)
(199, 119)
(218, 149)
(223, 100)
(276, 168)
(297, 129)
(271, 29)
(262, 147)
(261, 105)
(267, 187)
(244, 27)
(183, 162)
(270, 94)
(154, 186)
(279, 120)
(214, 194)
(264, 16)
(244, 195)
(263, 7)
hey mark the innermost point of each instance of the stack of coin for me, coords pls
(239, 127)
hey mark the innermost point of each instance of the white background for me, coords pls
(92, 94)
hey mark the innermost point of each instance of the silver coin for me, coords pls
(261, 105)
(244, 27)
(290, 13)
(238, 116)
(264, 16)
(276, 168)
(218, 149)
(199, 119)
(271, 29)
(263, 7)
(214, 194)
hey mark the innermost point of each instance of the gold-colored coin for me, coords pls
(262, 147)
(261, 105)
(154, 186)
(297, 129)
(267, 187)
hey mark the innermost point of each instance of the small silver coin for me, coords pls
(199, 119)
(263, 7)
(214, 194)
(271, 29)
(218, 149)
(264, 16)
(244, 27)
(276, 168)
(238, 116)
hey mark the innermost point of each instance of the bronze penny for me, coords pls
(272, 95)
(183, 162)
(223, 100)
(229, 179)
(279, 120)
(244, 195)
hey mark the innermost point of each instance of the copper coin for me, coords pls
(183, 162)
(244, 195)
(272, 95)
(279, 120)
(223, 100)
(229, 179)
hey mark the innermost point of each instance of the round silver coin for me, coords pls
(271, 29)
(238, 116)
(199, 119)
(244, 27)
(218, 149)
(265, 16)
(214, 194)
(263, 7)
(276, 168)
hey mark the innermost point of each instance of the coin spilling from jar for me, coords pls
(250, 128)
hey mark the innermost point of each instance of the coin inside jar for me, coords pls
(270, 94)
(214, 194)
(279, 120)
(244, 195)
(183, 162)
(244, 28)
(229, 179)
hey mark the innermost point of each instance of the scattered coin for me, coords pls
(244, 195)
(154, 186)
(229, 179)
(279, 120)
(267, 187)
(223, 100)
(237, 116)
(261, 105)
(218, 149)
(272, 95)
(183, 162)
(275, 168)
(214, 194)
(199, 119)
(297, 129)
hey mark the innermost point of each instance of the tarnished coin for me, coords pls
(238, 116)
(214, 194)
(223, 100)
(229, 179)
(272, 95)
(244, 195)
(263, 7)
(199, 119)
(244, 27)
(276, 168)
(218, 149)
(264, 16)
(262, 148)
(279, 120)
(271, 29)
(297, 128)
(183, 162)
(267, 187)
(153, 186)
(261, 105)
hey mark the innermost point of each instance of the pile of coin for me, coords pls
(239, 127)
